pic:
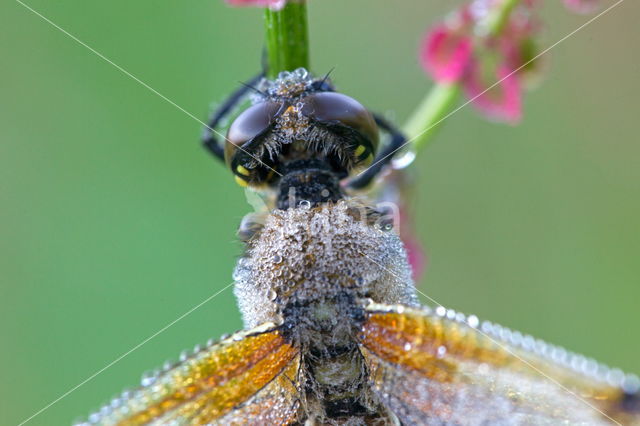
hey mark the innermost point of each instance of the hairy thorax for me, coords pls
(303, 256)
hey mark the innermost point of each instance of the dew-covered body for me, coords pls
(334, 333)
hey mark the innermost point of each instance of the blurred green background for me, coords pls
(113, 220)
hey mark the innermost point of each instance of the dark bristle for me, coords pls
(255, 89)
(326, 76)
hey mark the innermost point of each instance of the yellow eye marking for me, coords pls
(243, 183)
(360, 150)
(243, 170)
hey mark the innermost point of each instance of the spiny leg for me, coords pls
(384, 157)
(209, 136)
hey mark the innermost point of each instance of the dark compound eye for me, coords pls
(252, 122)
(332, 106)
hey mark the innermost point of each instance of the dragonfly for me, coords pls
(334, 331)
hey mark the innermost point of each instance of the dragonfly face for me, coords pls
(333, 332)
(299, 127)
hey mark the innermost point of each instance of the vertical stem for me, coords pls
(287, 38)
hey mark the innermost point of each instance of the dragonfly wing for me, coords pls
(249, 378)
(441, 369)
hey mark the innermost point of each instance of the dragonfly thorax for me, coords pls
(309, 254)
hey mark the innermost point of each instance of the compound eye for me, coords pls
(332, 106)
(252, 122)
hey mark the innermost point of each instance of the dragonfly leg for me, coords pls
(209, 136)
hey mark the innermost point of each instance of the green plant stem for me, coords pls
(287, 39)
(431, 111)
(441, 99)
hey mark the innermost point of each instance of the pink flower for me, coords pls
(492, 69)
(445, 54)
(495, 91)
(521, 51)
(582, 6)
(273, 4)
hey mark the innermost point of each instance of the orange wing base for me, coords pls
(429, 368)
(251, 375)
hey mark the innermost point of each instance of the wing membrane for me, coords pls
(430, 369)
(248, 378)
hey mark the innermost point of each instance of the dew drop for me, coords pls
(300, 73)
(403, 160)
(305, 204)
(277, 259)
(591, 367)
(442, 350)
(407, 346)
(367, 301)
(148, 378)
(272, 295)
(237, 274)
(116, 402)
(615, 377)
(473, 321)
